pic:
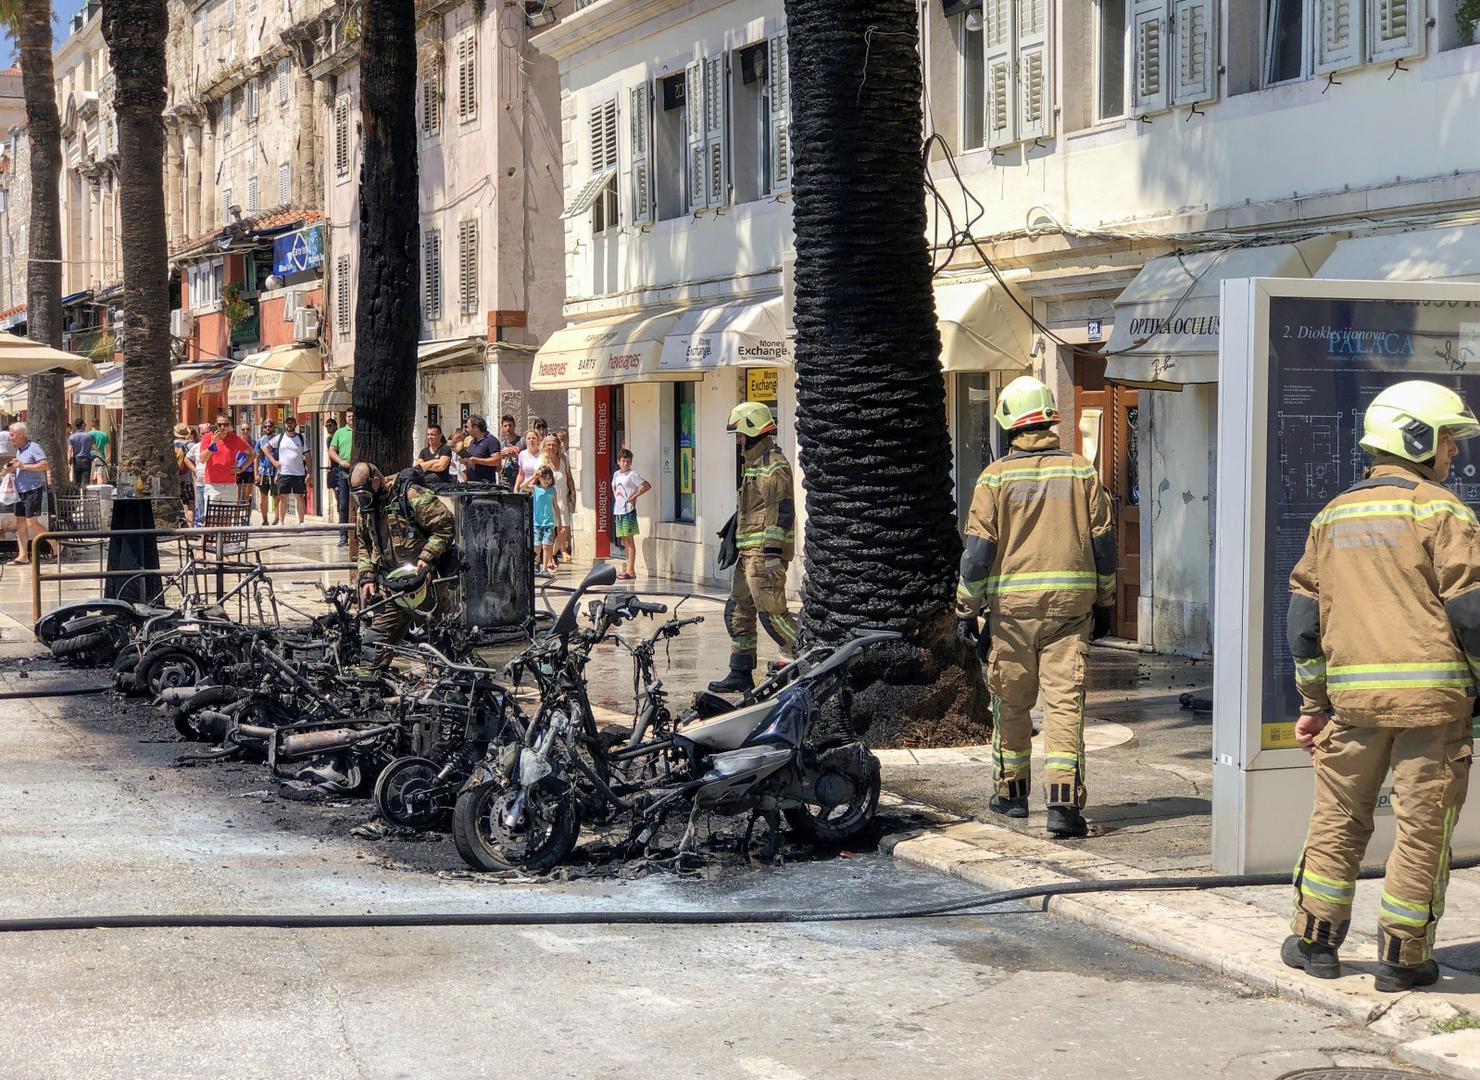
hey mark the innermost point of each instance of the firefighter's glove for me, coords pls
(974, 634)
(773, 565)
(1104, 622)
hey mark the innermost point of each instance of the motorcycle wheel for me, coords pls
(170, 668)
(88, 649)
(842, 820)
(406, 793)
(544, 837)
(188, 716)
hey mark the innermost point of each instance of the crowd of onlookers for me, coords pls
(268, 473)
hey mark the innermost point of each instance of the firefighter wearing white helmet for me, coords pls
(1384, 629)
(765, 520)
(1040, 557)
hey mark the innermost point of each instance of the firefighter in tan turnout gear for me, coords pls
(1040, 556)
(1384, 628)
(765, 519)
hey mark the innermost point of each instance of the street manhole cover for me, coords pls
(1351, 1074)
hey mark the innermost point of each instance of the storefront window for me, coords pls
(685, 443)
(973, 436)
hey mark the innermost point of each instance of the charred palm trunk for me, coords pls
(47, 410)
(387, 319)
(135, 31)
(882, 547)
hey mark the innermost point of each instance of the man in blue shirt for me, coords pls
(80, 447)
(266, 470)
(29, 469)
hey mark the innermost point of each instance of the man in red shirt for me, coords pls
(221, 451)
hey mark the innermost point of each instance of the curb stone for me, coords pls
(1209, 929)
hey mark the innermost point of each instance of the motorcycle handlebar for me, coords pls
(642, 607)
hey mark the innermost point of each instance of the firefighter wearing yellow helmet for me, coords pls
(1040, 557)
(1384, 628)
(765, 520)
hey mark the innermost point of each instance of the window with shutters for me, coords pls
(603, 132)
(970, 43)
(341, 137)
(467, 78)
(778, 103)
(251, 91)
(285, 185)
(251, 194)
(225, 206)
(282, 83)
(228, 112)
(342, 286)
(431, 275)
(1174, 53)
(670, 147)
(1006, 73)
(640, 151)
(706, 117)
(467, 266)
(758, 126)
(431, 105)
(1303, 38)
(1112, 29)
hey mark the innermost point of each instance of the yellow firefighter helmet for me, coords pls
(1406, 418)
(1024, 402)
(751, 418)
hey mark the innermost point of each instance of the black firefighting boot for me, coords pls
(1391, 978)
(1317, 961)
(1066, 822)
(738, 681)
(1013, 808)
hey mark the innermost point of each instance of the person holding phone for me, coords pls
(219, 448)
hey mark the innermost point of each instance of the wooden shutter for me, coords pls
(1395, 29)
(1339, 25)
(467, 265)
(282, 82)
(431, 274)
(1150, 53)
(285, 185)
(778, 74)
(341, 296)
(694, 136)
(715, 149)
(251, 92)
(640, 118)
(341, 137)
(1195, 49)
(431, 104)
(252, 194)
(467, 77)
(227, 109)
(1001, 106)
(1035, 77)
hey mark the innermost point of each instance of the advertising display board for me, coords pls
(1299, 362)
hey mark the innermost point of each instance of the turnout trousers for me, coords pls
(1029, 655)
(1431, 775)
(393, 621)
(755, 593)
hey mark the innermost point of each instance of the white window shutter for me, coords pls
(778, 74)
(282, 82)
(226, 206)
(1034, 73)
(1195, 49)
(1395, 29)
(285, 185)
(431, 274)
(467, 266)
(694, 112)
(1339, 25)
(1150, 48)
(639, 121)
(251, 92)
(341, 137)
(467, 78)
(341, 296)
(609, 132)
(252, 194)
(1001, 104)
(716, 77)
(226, 114)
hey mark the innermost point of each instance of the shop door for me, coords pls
(1106, 421)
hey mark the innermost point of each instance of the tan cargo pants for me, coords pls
(753, 592)
(1431, 774)
(393, 621)
(1029, 655)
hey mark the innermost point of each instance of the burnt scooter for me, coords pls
(523, 807)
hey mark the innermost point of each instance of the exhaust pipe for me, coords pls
(321, 742)
(176, 696)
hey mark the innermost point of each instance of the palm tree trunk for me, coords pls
(47, 410)
(882, 545)
(135, 31)
(387, 319)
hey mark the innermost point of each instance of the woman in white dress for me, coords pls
(552, 455)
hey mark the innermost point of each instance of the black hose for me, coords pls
(963, 906)
(69, 691)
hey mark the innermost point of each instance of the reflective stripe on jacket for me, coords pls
(1039, 539)
(389, 540)
(1384, 620)
(765, 518)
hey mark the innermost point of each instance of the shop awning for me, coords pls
(1418, 255)
(742, 333)
(605, 352)
(1166, 320)
(277, 375)
(16, 397)
(981, 328)
(187, 375)
(21, 356)
(326, 395)
(450, 352)
(106, 391)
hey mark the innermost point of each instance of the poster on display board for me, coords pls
(1299, 362)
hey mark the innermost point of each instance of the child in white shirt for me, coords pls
(626, 487)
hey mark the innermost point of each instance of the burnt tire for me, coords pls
(485, 845)
(187, 717)
(93, 648)
(407, 795)
(167, 668)
(837, 823)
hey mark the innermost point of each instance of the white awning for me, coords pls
(16, 397)
(106, 391)
(451, 351)
(981, 328)
(1166, 320)
(184, 376)
(742, 333)
(325, 396)
(278, 375)
(586, 197)
(21, 356)
(1451, 254)
(605, 352)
